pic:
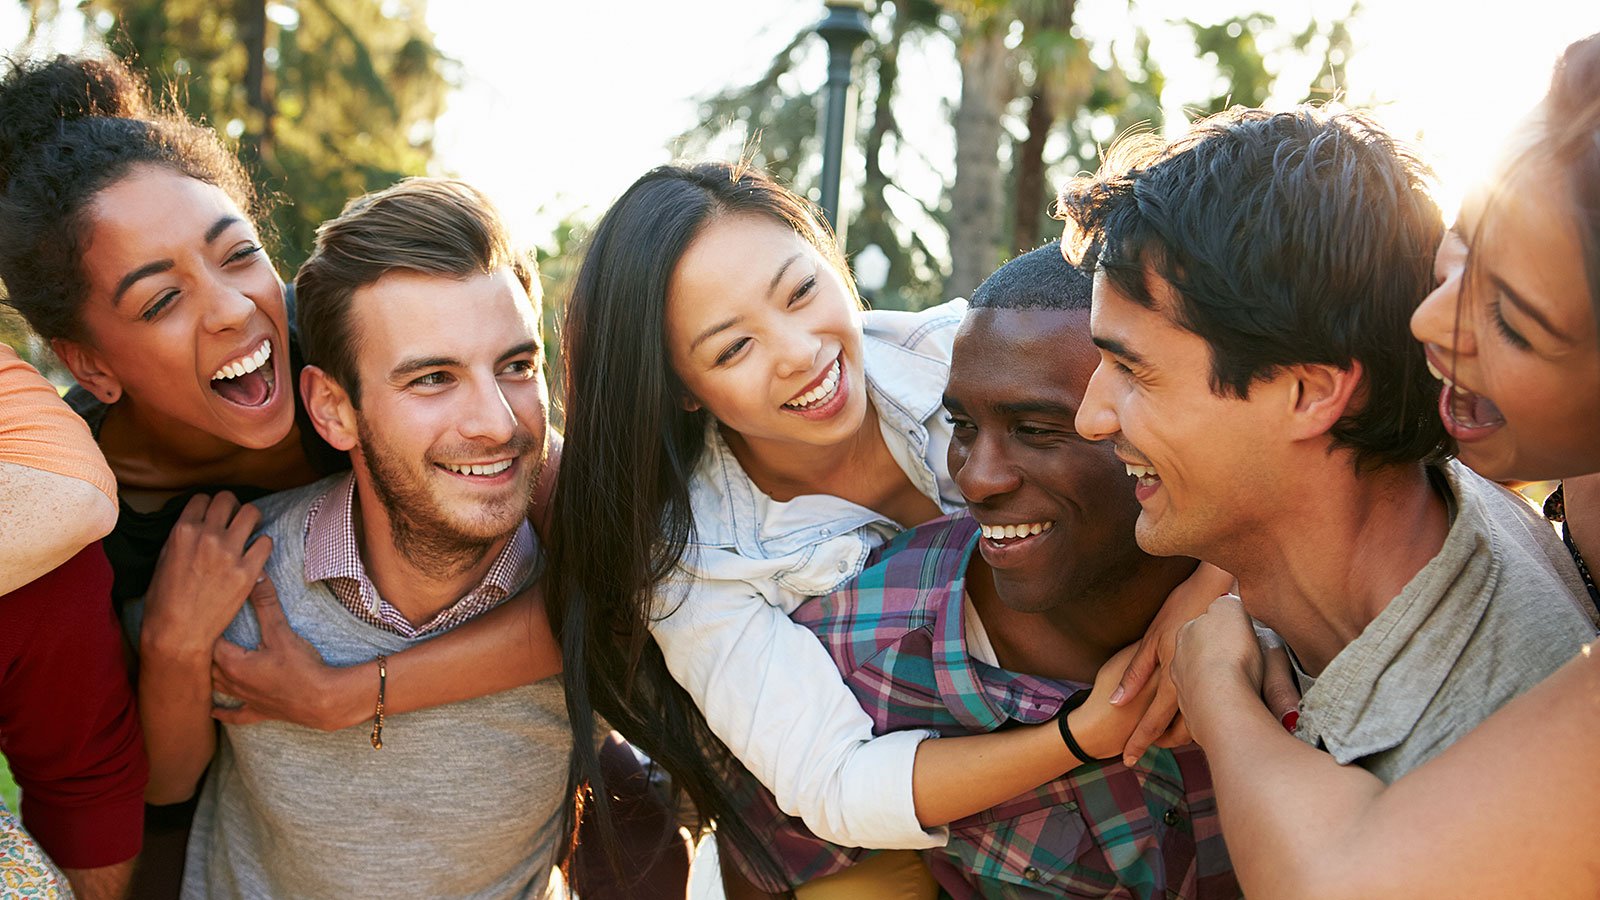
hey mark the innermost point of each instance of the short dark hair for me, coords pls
(1038, 279)
(1289, 238)
(71, 127)
(433, 226)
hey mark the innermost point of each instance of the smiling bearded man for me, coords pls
(421, 333)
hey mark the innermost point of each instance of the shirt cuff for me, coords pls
(87, 837)
(881, 788)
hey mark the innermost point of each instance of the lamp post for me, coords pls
(844, 28)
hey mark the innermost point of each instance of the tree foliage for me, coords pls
(327, 99)
(1031, 99)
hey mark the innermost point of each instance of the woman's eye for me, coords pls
(804, 290)
(522, 368)
(244, 253)
(1512, 336)
(732, 350)
(160, 304)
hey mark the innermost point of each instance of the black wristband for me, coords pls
(1072, 703)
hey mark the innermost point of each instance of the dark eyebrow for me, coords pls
(219, 226)
(951, 403)
(709, 332)
(1116, 348)
(419, 363)
(518, 350)
(781, 269)
(1044, 407)
(132, 278)
(1526, 308)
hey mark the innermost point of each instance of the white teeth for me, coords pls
(247, 365)
(1011, 532)
(476, 469)
(1140, 471)
(823, 391)
(1434, 371)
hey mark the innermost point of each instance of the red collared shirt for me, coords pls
(333, 555)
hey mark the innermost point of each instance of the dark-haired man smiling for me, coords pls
(1258, 378)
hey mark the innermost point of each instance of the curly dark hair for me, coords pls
(69, 128)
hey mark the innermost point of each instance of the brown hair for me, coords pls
(432, 226)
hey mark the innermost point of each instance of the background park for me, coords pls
(964, 115)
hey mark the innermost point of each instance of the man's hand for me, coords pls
(1162, 724)
(284, 678)
(206, 569)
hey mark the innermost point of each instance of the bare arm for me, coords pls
(45, 519)
(201, 581)
(507, 647)
(104, 883)
(1510, 810)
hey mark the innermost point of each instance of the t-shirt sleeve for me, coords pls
(68, 724)
(772, 694)
(38, 430)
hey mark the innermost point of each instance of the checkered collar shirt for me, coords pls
(333, 555)
(896, 633)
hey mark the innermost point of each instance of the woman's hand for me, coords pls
(205, 571)
(284, 678)
(1100, 728)
(1162, 723)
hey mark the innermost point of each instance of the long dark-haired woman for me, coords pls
(740, 434)
(1511, 810)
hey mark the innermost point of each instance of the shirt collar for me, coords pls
(1371, 696)
(332, 551)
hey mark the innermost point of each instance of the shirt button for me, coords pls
(1030, 873)
(843, 565)
(827, 532)
(1172, 818)
(1070, 806)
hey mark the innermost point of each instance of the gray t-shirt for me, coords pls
(463, 800)
(1499, 608)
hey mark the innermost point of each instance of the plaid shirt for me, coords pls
(1104, 831)
(333, 555)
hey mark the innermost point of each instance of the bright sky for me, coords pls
(562, 105)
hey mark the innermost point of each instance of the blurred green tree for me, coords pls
(327, 99)
(1037, 99)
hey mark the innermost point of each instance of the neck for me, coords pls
(153, 453)
(1071, 640)
(1340, 549)
(417, 572)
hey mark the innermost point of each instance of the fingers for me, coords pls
(1278, 686)
(264, 598)
(255, 560)
(1176, 735)
(1138, 672)
(1153, 724)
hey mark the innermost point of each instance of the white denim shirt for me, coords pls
(765, 684)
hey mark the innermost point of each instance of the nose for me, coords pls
(227, 308)
(1097, 415)
(797, 353)
(1441, 320)
(983, 471)
(486, 415)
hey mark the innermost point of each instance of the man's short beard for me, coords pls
(429, 544)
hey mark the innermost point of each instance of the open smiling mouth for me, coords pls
(820, 394)
(249, 380)
(1002, 536)
(1466, 414)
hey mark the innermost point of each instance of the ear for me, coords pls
(1321, 395)
(689, 402)
(328, 404)
(88, 369)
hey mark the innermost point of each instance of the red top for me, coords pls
(68, 725)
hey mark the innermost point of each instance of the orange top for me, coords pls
(39, 430)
